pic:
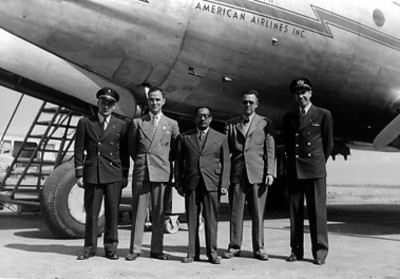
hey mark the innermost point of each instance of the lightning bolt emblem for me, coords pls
(320, 24)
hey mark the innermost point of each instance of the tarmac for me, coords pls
(364, 239)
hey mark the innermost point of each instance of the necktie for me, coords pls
(202, 135)
(302, 114)
(245, 123)
(104, 124)
(155, 121)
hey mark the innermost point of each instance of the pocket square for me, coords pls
(315, 124)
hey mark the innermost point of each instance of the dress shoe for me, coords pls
(187, 260)
(293, 258)
(261, 256)
(112, 256)
(318, 262)
(230, 255)
(215, 260)
(85, 255)
(158, 256)
(131, 257)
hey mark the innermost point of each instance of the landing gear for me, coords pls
(172, 224)
(61, 203)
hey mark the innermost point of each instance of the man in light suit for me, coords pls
(202, 174)
(151, 138)
(252, 148)
(104, 171)
(308, 133)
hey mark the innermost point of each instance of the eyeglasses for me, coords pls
(248, 102)
(206, 116)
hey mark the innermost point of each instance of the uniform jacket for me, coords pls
(107, 158)
(254, 152)
(308, 144)
(151, 151)
(210, 162)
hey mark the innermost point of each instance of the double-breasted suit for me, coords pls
(151, 151)
(202, 170)
(308, 144)
(252, 159)
(104, 167)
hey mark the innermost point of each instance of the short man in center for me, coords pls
(252, 148)
(150, 142)
(202, 175)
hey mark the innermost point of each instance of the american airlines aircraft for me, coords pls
(207, 52)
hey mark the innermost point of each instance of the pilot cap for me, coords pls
(108, 94)
(300, 83)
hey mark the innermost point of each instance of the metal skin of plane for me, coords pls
(207, 52)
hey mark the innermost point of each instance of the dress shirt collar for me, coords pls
(102, 118)
(158, 115)
(306, 109)
(202, 131)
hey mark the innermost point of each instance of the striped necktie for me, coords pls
(202, 136)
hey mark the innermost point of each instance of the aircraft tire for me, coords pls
(171, 225)
(62, 204)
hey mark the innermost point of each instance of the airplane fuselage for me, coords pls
(208, 52)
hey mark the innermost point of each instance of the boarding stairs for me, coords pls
(47, 144)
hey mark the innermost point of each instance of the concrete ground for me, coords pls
(364, 236)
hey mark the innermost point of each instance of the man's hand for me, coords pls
(180, 191)
(223, 191)
(124, 182)
(79, 182)
(269, 180)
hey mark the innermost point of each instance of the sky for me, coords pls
(361, 167)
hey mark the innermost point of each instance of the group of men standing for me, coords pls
(207, 164)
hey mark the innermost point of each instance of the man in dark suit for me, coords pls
(151, 138)
(308, 144)
(104, 171)
(202, 174)
(252, 147)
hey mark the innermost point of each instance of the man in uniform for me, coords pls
(252, 147)
(104, 171)
(202, 175)
(308, 144)
(151, 138)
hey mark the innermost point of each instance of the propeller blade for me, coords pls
(388, 134)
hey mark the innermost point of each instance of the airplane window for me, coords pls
(379, 17)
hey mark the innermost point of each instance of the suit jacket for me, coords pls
(151, 151)
(107, 158)
(308, 144)
(210, 162)
(254, 151)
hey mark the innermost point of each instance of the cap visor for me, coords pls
(108, 98)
